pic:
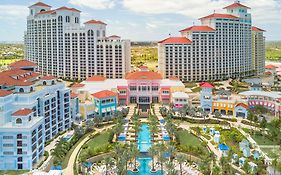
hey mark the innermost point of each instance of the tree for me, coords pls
(108, 161)
(152, 152)
(217, 114)
(250, 115)
(180, 158)
(135, 152)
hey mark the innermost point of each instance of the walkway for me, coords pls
(71, 161)
(157, 111)
(49, 149)
(131, 111)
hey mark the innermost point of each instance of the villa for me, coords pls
(142, 87)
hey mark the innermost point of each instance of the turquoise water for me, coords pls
(144, 139)
(144, 143)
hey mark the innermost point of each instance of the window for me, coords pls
(60, 18)
(67, 19)
(31, 89)
(18, 121)
(44, 83)
(76, 20)
(21, 90)
(53, 82)
(29, 118)
(98, 33)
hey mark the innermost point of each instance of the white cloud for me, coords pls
(12, 12)
(94, 4)
(263, 11)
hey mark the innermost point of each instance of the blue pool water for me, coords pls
(144, 143)
(144, 138)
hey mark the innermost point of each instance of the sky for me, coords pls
(142, 20)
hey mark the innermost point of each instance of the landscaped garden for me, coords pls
(99, 143)
(189, 143)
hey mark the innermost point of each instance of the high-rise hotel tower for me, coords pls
(61, 47)
(220, 48)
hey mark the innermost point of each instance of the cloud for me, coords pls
(94, 4)
(13, 12)
(263, 11)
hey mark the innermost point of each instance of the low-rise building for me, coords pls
(269, 100)
(142, 87)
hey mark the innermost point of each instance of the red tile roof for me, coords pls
(218, 15)
(206, 85)
(47, 12)
(40, 4)
(144, 75)
(114, 36)
(17, 77)
(256, 29)
(49, 77)
(199, 29)
(242, 105)
(22, 112)
(77, 85)
(73, 95)
(270, 66)
(96, 78)
(95, 22)
(4, 93)
(268, 73)
(175, 40)
(69, 9)
(174, 78)
(104, 94)
(235, 5)
(22, 63)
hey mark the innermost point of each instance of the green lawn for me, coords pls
(190, 85)
(13, 172)
(260, 139)
(187, 139)
(96, 145)
(197, 89)
(272, 152)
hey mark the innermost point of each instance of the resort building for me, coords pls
(220, 48)
(269, 100)
(222, 102)
(60, 46)
(142, 87)
(105, 102)
(33, 109)
(258, 50)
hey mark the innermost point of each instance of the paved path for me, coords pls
(131, 111)
(49, 149)
(71, 162)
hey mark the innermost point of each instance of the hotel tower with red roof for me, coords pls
(223, 46)
(61, 47)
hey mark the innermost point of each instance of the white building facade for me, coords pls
(33, 110)
(220, 48)
(258, 52)
(61, 47)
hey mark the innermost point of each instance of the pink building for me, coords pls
(142, 87)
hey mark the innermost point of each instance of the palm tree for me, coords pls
(135, 152)
(136, 127)
(171, 150)
(152, 152)
(108, 161)
(180, 158)
(217, 114)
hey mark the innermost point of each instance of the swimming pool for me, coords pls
(144, 138)
(144, 143)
